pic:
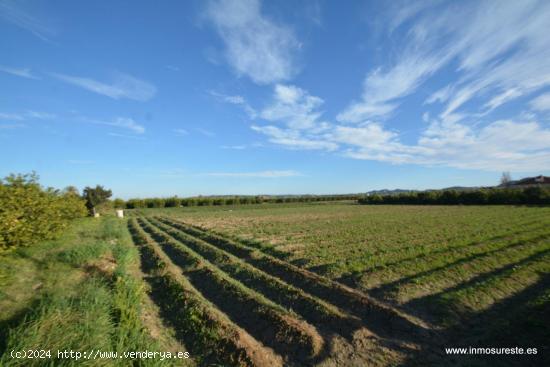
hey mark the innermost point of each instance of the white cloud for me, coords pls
(382, 88)
(293, 139)
(500, 57)
(294, 107)
(503, 56)
(120, 122)
(541, 103)
(123, 86)
(261, 174)
(22, 72)
(13, 12)
(441, 95)
(502, 98)
(405, 10)
(495, 146)
(254, 45)
(234, 147)
(236, 100)
(501, 145)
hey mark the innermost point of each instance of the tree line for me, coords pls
(532, 195)
(217, 201)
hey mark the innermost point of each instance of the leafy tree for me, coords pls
(95, 196)
(71, 191)
(30, 213)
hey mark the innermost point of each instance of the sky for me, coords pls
(288, 97)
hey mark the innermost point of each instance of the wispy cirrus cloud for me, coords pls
(119, 122)
(126, 136)
(122, 86)
(260, 174)
(21, 72)
(521, 144)
(255, 46)
(15, 13)
(234, 147)
(541, 103)
(11, 116)
(28, 115)
(236, 100)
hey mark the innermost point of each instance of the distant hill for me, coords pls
(528, 181)
(524, 182)
(385, 192)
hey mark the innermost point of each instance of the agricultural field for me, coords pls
(298, 284)
(343, 284)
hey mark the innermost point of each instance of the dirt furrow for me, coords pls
(382, 319)
(203, 329)
(289, 336)
(313, 310)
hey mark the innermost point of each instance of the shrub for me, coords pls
(172, 202)
(30, 213)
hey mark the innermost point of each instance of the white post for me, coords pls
(120, 213)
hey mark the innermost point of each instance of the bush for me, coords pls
(30, 213)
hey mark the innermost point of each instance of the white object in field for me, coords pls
(96, 215)
(120, 213)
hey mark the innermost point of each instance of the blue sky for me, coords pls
(250, 97)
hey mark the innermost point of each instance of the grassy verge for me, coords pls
(77, 293)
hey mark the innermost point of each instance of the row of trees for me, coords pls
(534, 195)
(30, 212)
(215, 201)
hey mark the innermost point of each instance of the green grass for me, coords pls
(80, 292)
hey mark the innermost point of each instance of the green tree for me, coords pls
(95, 196)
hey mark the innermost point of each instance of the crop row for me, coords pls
(266, 321)
(205, 331)
(312, 309)
(379, 318)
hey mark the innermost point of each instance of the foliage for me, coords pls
(95, 196)
(174, 202)
(30, 213)
(119, 204)
(534, 195)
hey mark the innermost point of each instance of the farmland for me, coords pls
(300, 284)
(438, 272)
